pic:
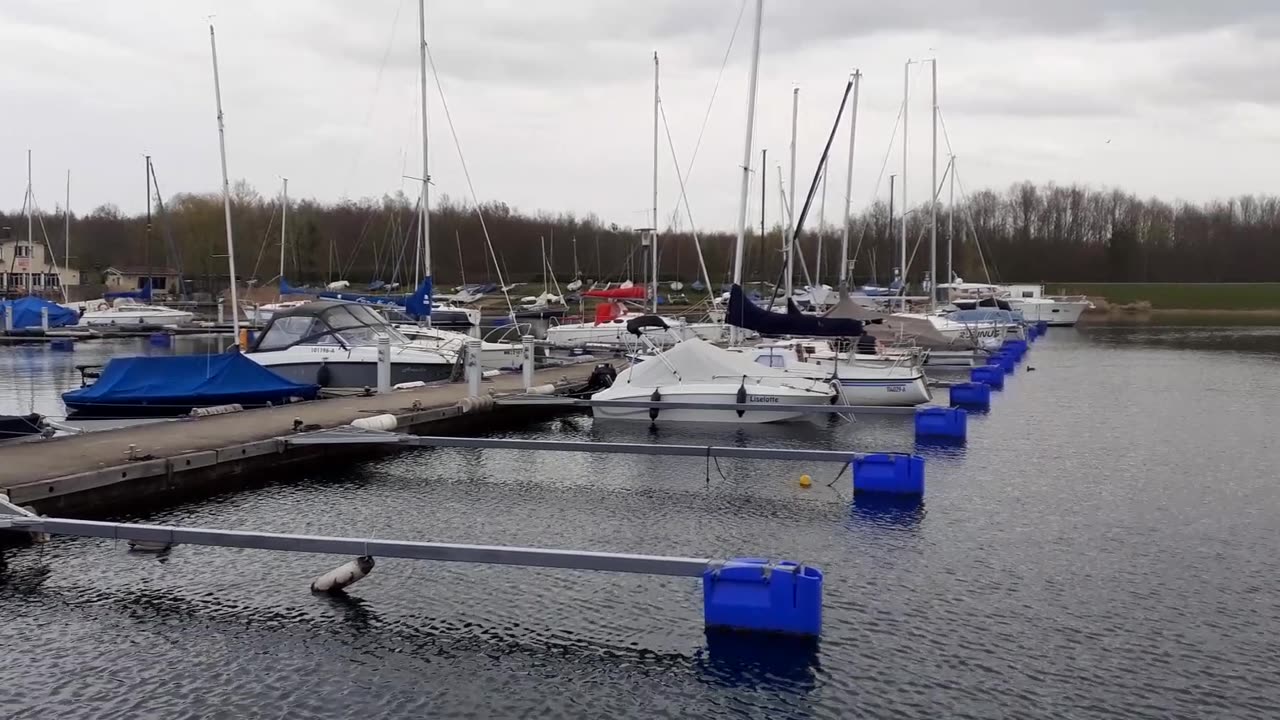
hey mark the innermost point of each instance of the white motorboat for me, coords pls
(335, 345)
(877, 382)
(134, 314)
(1050, 310)
(262, 314)
(697, 372)
(493, 355)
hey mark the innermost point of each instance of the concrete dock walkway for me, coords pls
(42, 471)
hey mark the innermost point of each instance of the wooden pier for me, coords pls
(110, 470)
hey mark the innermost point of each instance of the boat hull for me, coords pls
(340, 374)
(713, 394)
(1055, 313)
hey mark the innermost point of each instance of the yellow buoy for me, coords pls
(805, 481)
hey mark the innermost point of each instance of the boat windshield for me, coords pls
(348, 324)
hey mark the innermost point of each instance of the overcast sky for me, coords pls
(553, 100)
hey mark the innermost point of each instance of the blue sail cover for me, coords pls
(745, 314)
(26, 313)
(174, 384)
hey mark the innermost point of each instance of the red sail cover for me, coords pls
(635, 292)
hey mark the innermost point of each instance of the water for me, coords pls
(1103, 547)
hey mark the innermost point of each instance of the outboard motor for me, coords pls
(602, 377)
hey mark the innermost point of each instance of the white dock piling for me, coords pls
(527, 363)
(384, 364)
(221, 312)
(474, 372)
(44, 319)
(8, 322)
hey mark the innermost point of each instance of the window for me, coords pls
(22, 251)
(52, 280)
(37, 280)
(287, 331)
(771, 361)
(1028, 293)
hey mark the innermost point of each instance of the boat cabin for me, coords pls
(326, 322)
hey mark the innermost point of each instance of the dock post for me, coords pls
(384, 364)
(527, 364)
(8, 320)
(221, 312)
(44, 319)
(473, 367)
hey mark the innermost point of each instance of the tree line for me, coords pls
(1031, 233)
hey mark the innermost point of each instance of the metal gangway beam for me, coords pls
(739, 594)
(554, 401)
(350, 435)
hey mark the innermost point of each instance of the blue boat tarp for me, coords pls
(181, 382)
(27, 310)
(745, 314)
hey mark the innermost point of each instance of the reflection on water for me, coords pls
(1102, 546)
(33, 376)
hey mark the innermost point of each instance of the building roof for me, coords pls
(153, 271)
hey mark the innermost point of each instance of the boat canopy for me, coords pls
(326, 322)
(633, 292)
(184, 381)
(636, 325)
(27, 313)
(695, 361)
(745, 314)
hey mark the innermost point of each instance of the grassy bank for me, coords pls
(1179, 296)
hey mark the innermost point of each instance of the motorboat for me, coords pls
(899, 383)
(695, 371)
(125, 311)
(174, 385)
(610, 328)
(335, 345)
(262, 314)
(1028, 299)
(493, 355)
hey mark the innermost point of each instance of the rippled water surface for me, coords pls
(1104, 546)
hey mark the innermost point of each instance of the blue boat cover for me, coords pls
(26, 313)
(185, 381)
(745, 314)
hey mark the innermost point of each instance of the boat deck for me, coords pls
(43, 471)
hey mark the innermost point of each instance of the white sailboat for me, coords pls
(262, 314)
(895, 382)
(696, 371)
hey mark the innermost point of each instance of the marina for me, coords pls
(320, 452)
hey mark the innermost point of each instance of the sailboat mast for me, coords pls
(848, 186)
(906, 97)
(284, 221)
(653, 237)
(146, 247)
(822, 227)
(735, 333)
(791, 201)
(764, 190)
(31, 232)
(226, 188)
(933, 198)
(424, 225)
(66, 231)
(951, 218)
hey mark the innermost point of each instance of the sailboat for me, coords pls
(133, 308)
(261, 314)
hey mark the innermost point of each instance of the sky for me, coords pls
(552, 103)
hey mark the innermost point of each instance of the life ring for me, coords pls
(100, 307)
